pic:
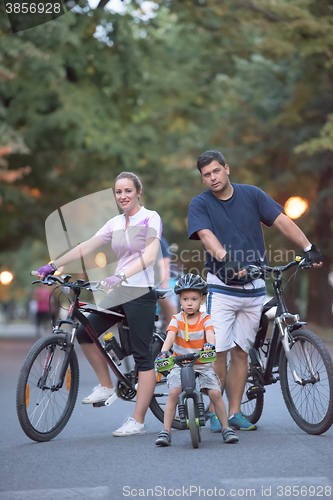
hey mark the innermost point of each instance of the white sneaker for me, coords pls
(130, 427)
(98, 395)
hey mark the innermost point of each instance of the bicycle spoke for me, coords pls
(310, 403)
(46, 409)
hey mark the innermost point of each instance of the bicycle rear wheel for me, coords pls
(252, 408)
(43, 409)
(310, 404)
(160, 397)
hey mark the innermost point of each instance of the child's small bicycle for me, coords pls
(191, 407)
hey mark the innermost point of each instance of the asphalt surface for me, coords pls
(85, 461)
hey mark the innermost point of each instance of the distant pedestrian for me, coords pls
(168, 305)
(43, 315)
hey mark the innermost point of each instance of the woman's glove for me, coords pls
(45, 270)
(112, 281)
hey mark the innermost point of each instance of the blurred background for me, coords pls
(147, 87)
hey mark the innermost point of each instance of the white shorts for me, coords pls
(235, 319)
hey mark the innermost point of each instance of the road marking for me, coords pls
(98, 493)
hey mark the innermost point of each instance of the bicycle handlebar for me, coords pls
(50, 280)
(263, 271)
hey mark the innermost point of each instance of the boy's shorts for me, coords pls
(207, 378)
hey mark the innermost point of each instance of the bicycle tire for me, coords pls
(194, 431)
(159, 399)
(252, 409)
(42, 412)
(158, 402)
(310, 405)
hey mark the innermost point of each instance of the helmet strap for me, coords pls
(187, 337)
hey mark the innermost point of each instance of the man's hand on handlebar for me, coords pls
(314, 256)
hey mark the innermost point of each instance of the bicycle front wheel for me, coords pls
(43, 409)
(192, 422)
(311, 403)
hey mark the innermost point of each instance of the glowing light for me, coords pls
(6, 277)
(100, 259)
(295, 207)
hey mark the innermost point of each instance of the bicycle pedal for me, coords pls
(254, 391)
(97, 405)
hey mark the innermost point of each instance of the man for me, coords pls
(227, 219)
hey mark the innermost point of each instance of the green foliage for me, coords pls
(96, 92)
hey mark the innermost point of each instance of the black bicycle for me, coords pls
(293, 355)
(192, 409)
(48, 383)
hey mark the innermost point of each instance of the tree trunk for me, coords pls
(320, 293)
(320, 296)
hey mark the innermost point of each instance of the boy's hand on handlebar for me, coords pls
(208, 347)
(45, 271)
(163, 355)
(314, 256)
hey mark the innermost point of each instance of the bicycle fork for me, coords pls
(284, 333)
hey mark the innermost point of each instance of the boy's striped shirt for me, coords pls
(197, 333)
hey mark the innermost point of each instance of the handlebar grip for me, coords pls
(34, 273)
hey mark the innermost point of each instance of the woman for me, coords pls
(135, 238)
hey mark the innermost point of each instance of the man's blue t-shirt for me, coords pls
(236, 222)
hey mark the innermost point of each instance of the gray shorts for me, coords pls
(207, 378)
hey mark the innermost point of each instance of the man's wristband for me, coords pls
(307, 249)
(54, 266)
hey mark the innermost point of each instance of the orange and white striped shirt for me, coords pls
(196, 333)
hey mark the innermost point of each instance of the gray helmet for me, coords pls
(191, 282)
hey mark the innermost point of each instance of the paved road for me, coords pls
(86, 462)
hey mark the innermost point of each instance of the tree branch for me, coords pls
(102, 4)
(250, 5)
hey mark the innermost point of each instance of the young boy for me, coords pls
(192, 331)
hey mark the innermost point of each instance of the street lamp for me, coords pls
(100, 259)
(295, 207)
(6, 277)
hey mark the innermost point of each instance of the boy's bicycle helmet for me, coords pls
(191, 282)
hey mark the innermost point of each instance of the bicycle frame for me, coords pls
(189, 390)
(75, 313)
(281, 339)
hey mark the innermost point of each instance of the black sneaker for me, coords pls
(229, 436)
(164, 438)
